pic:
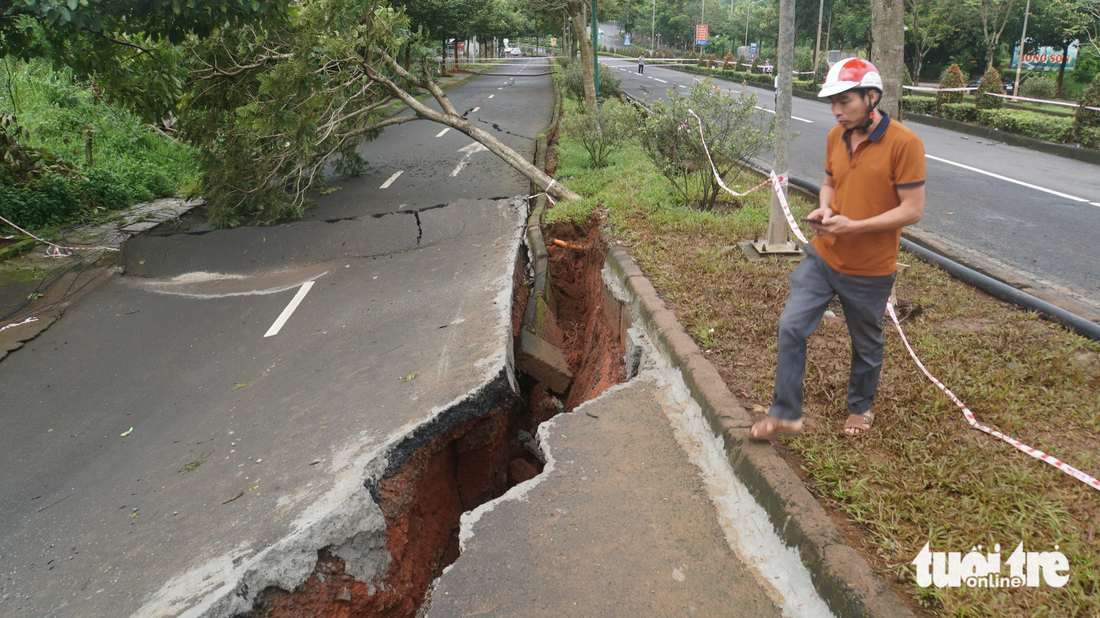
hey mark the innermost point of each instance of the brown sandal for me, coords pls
(770, 426)
(859, 424)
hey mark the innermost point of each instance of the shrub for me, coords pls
(572, 83)
(991, 83)
(702, 59)
(753, 67)
(952, 78)
(48, 200)
(1058, 129)
(603, 132)
(822, 69)
(1039, 87)
(1085, 119)
(1087, 67)
(1089, 138)
(713, 62)
(963, 112)
(906, 77)
(919, 104)
(733, 128)
(740, 64)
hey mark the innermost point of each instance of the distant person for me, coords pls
(767, 66)
(873, 187)
(641, 64)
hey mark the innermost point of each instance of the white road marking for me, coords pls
(501, 88)
(792, 117)
(474, 110)
(1013, 180)
(441, 133)
(660, 80)
(389, 181)
(285, 315)
(492, 95)
(470, 151)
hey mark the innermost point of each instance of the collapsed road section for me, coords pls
(209, 463)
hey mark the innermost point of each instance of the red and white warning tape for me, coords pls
(14, 324)
(1037, 454)
(777, 185)
(777, 182)
(55, 250)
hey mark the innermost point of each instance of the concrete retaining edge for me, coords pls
(840, 574)
(18, 248)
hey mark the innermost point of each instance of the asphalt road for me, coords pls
(197, 429)
(1012, 211)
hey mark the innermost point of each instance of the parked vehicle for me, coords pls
(1008, 81)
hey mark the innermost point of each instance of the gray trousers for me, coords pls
(813, 285)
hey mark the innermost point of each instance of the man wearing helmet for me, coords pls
(874, 186)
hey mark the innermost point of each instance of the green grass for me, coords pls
(131, 162)
(922, 474)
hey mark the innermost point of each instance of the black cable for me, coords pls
(68, 291)
(44, 284)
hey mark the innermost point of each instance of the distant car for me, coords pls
(515, 51)
(1008, 81)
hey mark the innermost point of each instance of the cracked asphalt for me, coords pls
(165, 454)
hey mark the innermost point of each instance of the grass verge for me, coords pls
(921, 475)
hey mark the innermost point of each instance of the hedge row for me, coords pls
(744, 76)
(1057, 129)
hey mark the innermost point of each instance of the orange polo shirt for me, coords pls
(866, 183)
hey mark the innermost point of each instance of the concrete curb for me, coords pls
(840, 574)
(18, 248)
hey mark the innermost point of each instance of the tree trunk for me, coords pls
(577, 21)
(888, 33)
(1061, 69)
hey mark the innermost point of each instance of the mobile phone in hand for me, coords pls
(814, 221)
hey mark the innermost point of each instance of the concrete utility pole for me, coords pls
(595, 55)
(1020, 60)
(776, 242)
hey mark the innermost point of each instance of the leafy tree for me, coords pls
(930, 23)
(994, 15)
(1058, 24)
(128, 46)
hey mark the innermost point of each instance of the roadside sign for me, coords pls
(701, 34)
(1046, 58)
(752, 49)
(553, 41)
(626, 39)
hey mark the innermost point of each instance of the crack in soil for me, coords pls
(466, 456)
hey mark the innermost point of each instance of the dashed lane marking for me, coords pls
(492, 95)
(660, 80)
(285, 315)
(389, 181)
(474, 110)
(440, 134)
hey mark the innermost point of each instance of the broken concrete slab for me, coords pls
(543, 361)
(619, 523)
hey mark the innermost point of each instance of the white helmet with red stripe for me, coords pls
(849, 74)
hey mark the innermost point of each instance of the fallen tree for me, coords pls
(271, 108)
